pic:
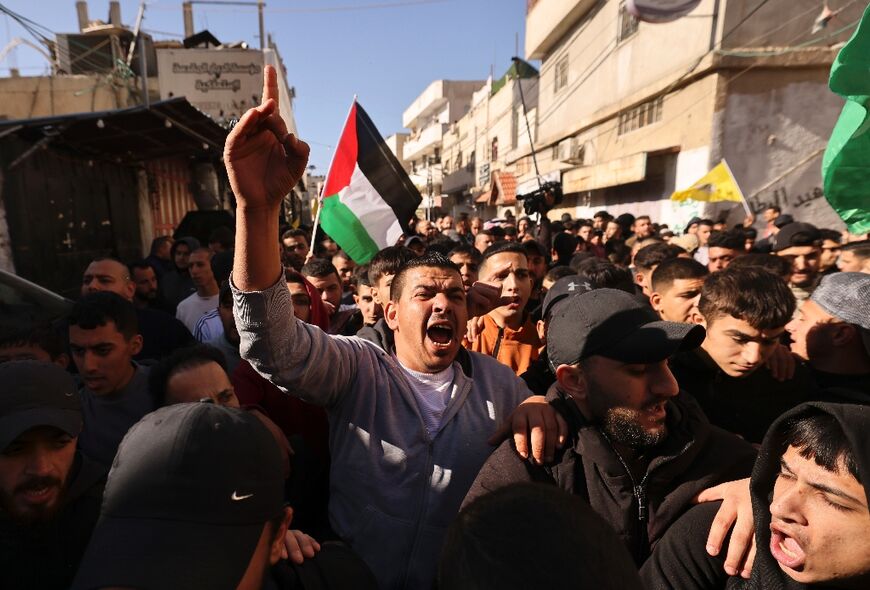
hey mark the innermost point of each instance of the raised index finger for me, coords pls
(270, 85)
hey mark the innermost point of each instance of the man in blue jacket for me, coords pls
(409, 426)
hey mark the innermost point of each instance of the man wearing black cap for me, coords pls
(538, 376)
(639, 450)
(801, 244)
(49, 492)
(186, 507)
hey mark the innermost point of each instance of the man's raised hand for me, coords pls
(264, 161)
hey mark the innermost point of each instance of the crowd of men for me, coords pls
(504, 403)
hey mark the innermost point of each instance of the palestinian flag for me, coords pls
(368, 199)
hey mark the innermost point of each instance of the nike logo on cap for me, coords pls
(235, 497)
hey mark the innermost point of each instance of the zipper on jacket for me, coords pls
(639, 493)
(497, 346)
(421, 510)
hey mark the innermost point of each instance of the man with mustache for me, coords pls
(639, 450)
(800, 243)
(408, 424)
(50, 493)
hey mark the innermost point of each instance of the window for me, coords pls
(494, 150)
(555, 153)
(640, 116)
(627, 24)
(523, 165)
(561, 74)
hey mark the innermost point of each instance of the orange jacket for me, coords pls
(514, 348)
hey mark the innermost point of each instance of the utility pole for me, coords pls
(260, 6)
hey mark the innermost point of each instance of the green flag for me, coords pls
(846, 165)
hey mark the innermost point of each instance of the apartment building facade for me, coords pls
(627, 111)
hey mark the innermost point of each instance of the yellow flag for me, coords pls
(717, 185)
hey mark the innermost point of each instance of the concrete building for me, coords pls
(629, 111)
(476, 149)
(89, 74)
(396, 143)
(428, 117)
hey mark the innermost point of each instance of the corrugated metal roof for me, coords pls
(166, 128)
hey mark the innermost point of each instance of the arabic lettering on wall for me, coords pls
(781, 198)
(215, 72)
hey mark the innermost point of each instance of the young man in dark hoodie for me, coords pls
(810, 495)
(745, 311)
(50, 493)
(638, 450)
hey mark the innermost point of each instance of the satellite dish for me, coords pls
(660, 11)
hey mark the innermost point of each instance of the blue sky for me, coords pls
(385, 51)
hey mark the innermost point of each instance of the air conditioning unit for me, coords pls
(575, 152)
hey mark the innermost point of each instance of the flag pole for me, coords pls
(316, 221)
(737, 184)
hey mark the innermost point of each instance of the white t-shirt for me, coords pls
(192, 308)
(432, 391)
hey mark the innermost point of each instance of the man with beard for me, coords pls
(810, 496)
(147, 294)
(800, 243)
(639, 451)
(50, 494)
(408, 425)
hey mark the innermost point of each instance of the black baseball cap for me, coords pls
(797, 234)
(186, 500)
(783, 220)
(37, 393)
(613, 324)
(564, 288)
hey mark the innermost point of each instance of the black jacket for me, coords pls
(538, 376)
(47, 555)
(680, 560)
(694, 456)
(746, 406)
(334, 567)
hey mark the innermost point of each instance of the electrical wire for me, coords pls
(173, 6)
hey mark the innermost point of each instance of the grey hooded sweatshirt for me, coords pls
(393, 488)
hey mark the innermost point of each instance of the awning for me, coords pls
(613, 173)
(503, 190)
(166, 128)
(506, 183)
